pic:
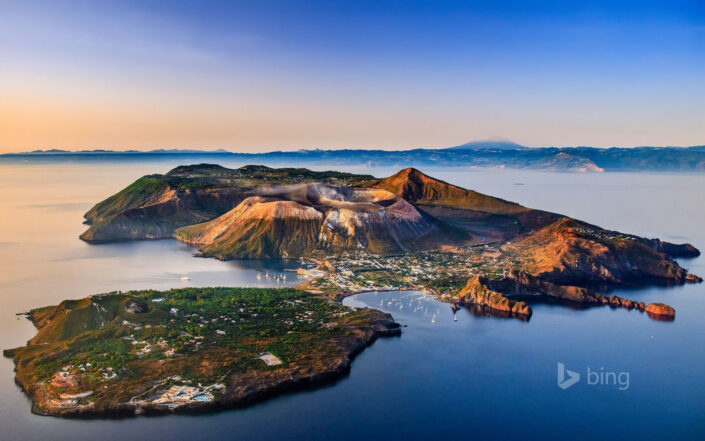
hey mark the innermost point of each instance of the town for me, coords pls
(441, 273)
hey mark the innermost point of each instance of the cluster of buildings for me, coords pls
(67, 378)
(177, 396)
(600, 234)
(429, 270)
(64, 379)
(144, 346)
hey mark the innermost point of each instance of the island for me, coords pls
(408, 230)
(187, 350)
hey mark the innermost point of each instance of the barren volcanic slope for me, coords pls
(299, 219)
(153, 206)
(257, 212)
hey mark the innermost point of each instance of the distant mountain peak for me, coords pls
(494, 143)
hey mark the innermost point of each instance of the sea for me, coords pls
(450, 375)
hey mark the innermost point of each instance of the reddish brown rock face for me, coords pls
(477, 292)
(692, 278)
(660, 311)
(496, 294)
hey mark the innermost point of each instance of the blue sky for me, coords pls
(262, 75)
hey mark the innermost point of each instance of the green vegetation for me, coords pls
(144, 190)
(119, 346)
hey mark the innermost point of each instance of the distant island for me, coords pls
(493, 153)
(200, 349)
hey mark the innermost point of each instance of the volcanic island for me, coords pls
(200, 349)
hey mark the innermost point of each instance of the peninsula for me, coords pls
(187, 350)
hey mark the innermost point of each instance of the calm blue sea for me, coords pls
(476, 377)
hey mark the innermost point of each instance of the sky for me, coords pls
(284, 75)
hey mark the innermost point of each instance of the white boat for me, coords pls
(185, 279)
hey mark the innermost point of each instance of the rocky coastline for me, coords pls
(497, 295)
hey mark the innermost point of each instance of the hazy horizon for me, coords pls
(253, 77)
(217, 149)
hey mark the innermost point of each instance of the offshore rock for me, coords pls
(660, 311)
